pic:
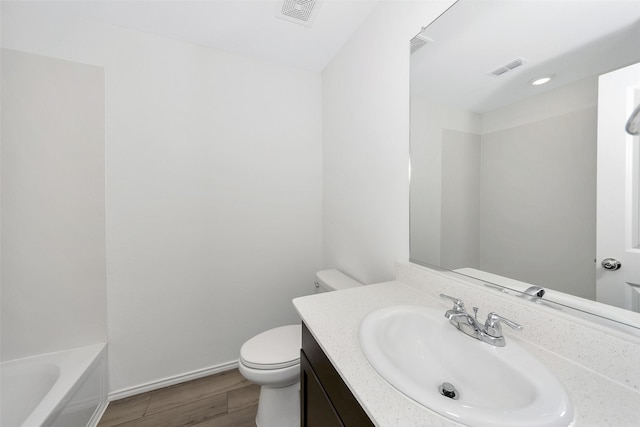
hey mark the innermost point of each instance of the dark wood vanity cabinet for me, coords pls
(325, 400)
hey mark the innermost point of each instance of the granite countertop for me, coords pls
(334, 319)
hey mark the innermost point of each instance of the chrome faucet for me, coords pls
(533, 293)
(490, 332)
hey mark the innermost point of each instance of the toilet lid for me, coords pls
(273, 349)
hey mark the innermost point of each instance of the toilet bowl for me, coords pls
(271, 359)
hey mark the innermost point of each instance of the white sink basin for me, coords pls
(416, 350)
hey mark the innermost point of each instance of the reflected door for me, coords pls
(618, 214)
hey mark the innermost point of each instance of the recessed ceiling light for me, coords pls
(541, 80)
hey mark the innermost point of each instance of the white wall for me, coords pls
(53, 214)
(425, 219)
(213, 192)
(538, 207)
(537, 169)
(366, 142)
(429, 125)
(460, 202)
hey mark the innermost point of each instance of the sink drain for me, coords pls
(448, 390)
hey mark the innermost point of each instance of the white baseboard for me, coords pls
(166, 382)
(95, 419)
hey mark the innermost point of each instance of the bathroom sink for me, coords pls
(416, 350)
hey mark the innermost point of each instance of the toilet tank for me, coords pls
(333, 280)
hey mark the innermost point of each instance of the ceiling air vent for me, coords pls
(508, 67)
(301, 12)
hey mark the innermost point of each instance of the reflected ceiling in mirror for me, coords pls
(472, 46)
(503, 172)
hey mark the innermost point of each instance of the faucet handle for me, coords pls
(493, 328)
(458, 304)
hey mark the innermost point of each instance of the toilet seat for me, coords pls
(276, 348)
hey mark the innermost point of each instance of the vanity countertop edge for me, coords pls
(334, 319)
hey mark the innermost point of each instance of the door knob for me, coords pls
(611, 264)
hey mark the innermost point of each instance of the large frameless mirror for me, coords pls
(522, 173)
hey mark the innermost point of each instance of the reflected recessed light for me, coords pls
(541, 80)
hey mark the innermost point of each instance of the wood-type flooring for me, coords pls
(221, 400)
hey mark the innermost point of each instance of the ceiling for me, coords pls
(247, 27)
(569, 39)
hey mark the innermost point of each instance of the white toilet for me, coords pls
(272, 360)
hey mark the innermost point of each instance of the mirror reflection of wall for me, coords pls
(516, 188)
(504, 173)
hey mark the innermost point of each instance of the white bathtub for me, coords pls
(62, 389)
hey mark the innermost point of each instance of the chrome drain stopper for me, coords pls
(448, 390)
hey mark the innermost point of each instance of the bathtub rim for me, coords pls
(75, 364)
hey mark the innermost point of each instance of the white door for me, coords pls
(618, 214)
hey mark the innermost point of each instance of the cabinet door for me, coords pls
(316, 408)
(343, 403)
